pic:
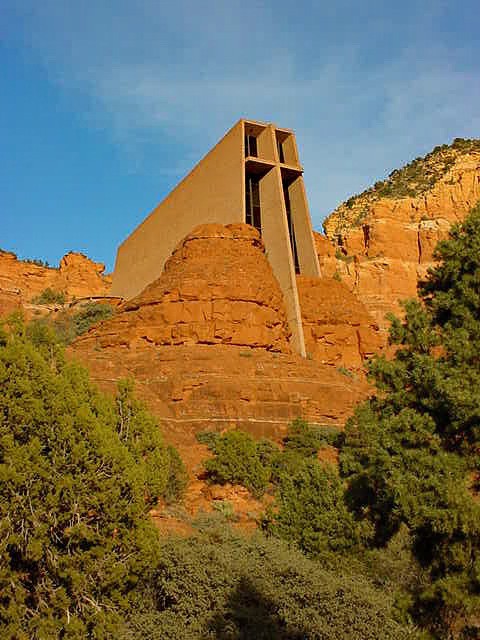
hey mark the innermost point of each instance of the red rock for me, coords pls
(208, 342)
(77, 276)
(383, 246)
(217, 288)
(337, 327)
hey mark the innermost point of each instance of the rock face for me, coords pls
(199, 387)
(381, 242)
(217, 288)
(77, 276)
(338, 329)
(208, 342)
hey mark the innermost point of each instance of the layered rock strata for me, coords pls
(380, 245)
(217, 288)
(337, 327)
(208, 342)
(77, 276)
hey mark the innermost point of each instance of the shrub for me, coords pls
(238, 461)
(224, 586)
(37, 262)
(50, 296)
(67, 326)
(208, 438)
(165, 474)
(302, 439)
(225, 507)
(310, 510)
(89, 315)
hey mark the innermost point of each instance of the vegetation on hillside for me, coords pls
(240, 459)
(68, 325)
(221, 585)
(409, 458)
(80, 557)
(50, 296)
(78, 472)
(387, 545)
(414, 179)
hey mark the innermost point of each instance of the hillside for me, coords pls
(380, 242)
(217, 333)
(21, 281)
(217, 329)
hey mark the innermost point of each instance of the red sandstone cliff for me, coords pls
(77, 276)
(380, 242)
(208, 341)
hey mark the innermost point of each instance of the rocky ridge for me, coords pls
(208, 341)
(380, 242)
(216, 288)
(77, 276)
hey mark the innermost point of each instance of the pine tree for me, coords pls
(75, 536)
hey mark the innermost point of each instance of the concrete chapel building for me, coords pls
(253, 175)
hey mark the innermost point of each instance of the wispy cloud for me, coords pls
(365, 89)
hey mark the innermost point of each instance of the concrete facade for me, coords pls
(252, 175)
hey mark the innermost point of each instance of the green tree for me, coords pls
(238, 460)
(310, 509)
(166, 475)
(74, 532)
(68, 325)
(301, 438)
(220, 585)
(50, 296)
(411, 453)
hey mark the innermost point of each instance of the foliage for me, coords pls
(90, 314)
(238, 461)
(422, 173)
(74, 534)
(37, 262)
(224, 586)
(301, 438)
(208, 438)
(50, 296)
(411, 454)
(225, 507)
(139, 431)
(311, 510)
(67, 325)
(242, 460)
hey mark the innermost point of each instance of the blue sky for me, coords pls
(105, 105)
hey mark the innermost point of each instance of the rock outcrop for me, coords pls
(381, 242)
(77, 276)
(208, 342)
(217, 288)
(338, 329)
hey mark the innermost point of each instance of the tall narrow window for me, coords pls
(250, 146)
(281, 155)
(252, 201)
(291, 229)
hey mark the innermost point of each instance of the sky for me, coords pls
(105, 105)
